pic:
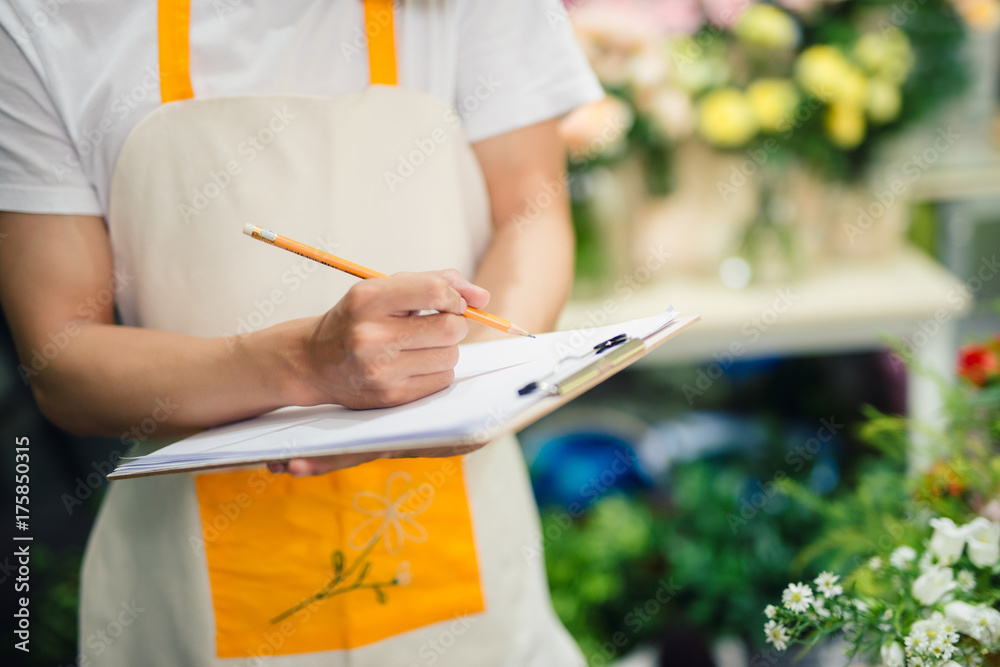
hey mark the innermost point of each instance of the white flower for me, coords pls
(982, 623)
(926, 561)
(776, 634)
(960, 615)
(951, 663)
(985, 625)
(875, 563)
(932, 638)
(797, 597)
(933, 584)
(770, 610)
(966, 580)
(948, 540)
(820, 608)
(902, 557)
(892, 655)
(984, 542)
(826, 583)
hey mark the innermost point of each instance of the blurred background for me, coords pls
(820, 181)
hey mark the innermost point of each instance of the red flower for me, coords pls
(979, 363)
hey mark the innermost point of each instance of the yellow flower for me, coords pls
(845, 124)
(773, 102)
(883, 100)
(824, 72)
(767, 26)
(887, 54)
(726, 119)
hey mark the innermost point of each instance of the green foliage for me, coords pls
(712, 552)
(55, 584)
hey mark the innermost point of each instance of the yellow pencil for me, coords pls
(346, 266)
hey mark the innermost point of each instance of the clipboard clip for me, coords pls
(552, 386)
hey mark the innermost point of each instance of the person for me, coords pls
(136, 140)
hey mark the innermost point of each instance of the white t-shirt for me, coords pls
(78, 75)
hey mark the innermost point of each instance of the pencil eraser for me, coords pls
(248, 229)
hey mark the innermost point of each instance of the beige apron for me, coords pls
(397, 562)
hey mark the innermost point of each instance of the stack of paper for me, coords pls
(477, 407)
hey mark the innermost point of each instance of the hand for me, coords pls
(372, 350)
(323, 464)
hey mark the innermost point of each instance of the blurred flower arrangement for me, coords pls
(827, 81)
(798, 99)
(924, 583)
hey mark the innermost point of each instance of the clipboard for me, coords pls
(564, 379)
(602, 368)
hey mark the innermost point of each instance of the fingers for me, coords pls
(371, 350)
(403, 293)
(425, 331)
(474, 295)
(325, 464)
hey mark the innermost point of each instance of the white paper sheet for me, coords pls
(483, 397)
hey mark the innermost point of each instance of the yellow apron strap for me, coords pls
(173, 24)
(174, 21)
(381, 34)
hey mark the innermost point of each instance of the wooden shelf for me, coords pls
(848, 306)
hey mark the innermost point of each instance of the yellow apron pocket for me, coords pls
(336, 561)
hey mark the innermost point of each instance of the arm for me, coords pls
(104, 379)
(528, 268)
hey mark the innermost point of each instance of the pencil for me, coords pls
(365, 273)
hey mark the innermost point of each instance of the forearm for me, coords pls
(528, 270)
(110, 380)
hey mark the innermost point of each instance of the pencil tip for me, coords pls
(518, 331)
